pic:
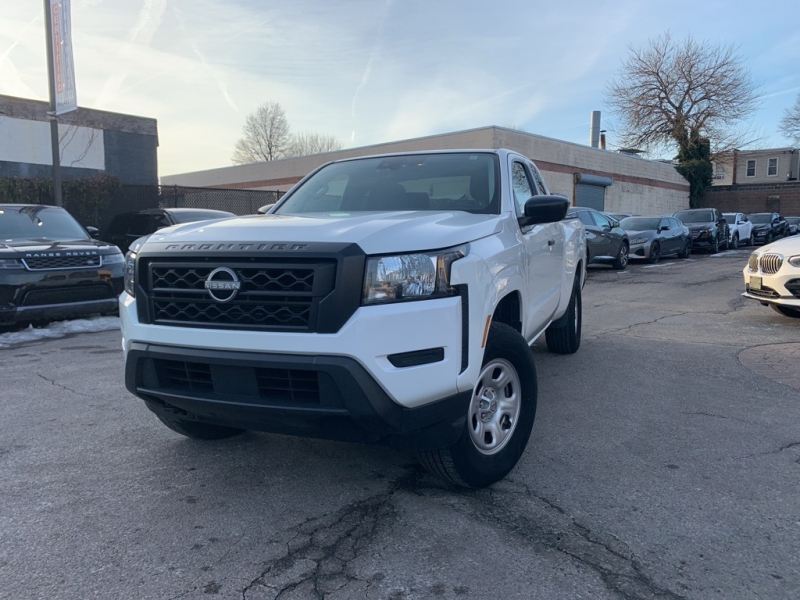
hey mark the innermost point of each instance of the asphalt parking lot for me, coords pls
(660, 466)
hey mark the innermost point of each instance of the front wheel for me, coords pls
(566, 338)
(735, 242)
(727, 242)
(199, 431)
(715, 246)
(499, 418)
(751, 241)
(687, 250)
(786, 311)
(655, 253)
(622, 257)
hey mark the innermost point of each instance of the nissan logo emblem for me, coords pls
(222, 284)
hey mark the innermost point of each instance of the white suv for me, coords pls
(740, 229)
(772, 276)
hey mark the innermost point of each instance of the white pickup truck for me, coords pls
(384, 299)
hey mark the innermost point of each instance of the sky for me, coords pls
(372, 71)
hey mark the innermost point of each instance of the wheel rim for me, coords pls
(623, 255)
(655, 252)
(735, 241)
(494, 408)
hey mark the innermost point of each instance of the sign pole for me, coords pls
(51, 114)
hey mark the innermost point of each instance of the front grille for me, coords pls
(82, 293)
(288, 385)
(752, 263)
(764, 292)
(177, 374)
(271, 296)
(770, 263)
(46, 263)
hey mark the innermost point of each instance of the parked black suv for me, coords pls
(50, 268)
(708, 228)
(126, 228)
(767, 227)
(606, 241)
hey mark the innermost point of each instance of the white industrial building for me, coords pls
(610, 181)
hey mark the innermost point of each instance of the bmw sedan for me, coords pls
(654, 237)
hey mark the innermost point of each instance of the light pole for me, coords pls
(51, 114)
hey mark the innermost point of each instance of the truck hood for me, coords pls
(374, 232)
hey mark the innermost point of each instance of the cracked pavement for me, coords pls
(659, 467)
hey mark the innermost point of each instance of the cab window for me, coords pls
(521, 184)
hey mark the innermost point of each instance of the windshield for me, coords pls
(639, 223)
(761, 219)
(690, 216)
(464, 181)
(729, 217)
(38, 223)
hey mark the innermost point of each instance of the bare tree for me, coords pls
(306, 142)
(265, 135)
(672, 94)
(790, 123)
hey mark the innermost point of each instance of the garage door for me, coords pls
(590, 191)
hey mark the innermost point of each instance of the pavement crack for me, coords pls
(605, 554)
(701, 413)
(63, 387)
(318, 555)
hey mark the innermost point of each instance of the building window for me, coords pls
(772, 167)
(751, 168)
(719, 172)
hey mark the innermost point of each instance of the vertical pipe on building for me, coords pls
(51, 114)
(594, 129)
(735, 158)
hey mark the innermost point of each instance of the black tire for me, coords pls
(463, 463)
(655, 253)
(566, 339)
(621, 262)
(727, 242)
(768, 239)
(786, 311)
(715, 248)
(751, 241)
(199, 431)
(735, 242)
(687, 250)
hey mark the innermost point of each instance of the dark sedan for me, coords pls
(654, 237)
(767, 227)
(126, 228)
(50, 268)
(606, 242)
(709, 229)
(793, 224)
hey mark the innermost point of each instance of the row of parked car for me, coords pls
(615, 238)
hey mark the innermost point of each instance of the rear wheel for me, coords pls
(566, 339)
(499, 418)
(786, 311)
(199, 431)
(622, 257)
(655, 253)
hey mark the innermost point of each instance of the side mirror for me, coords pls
(664, 228)
(264, 209)
(544, 209)
(94, 232)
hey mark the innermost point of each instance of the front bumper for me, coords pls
(641, 250)
(703, 241)
(782, 288)
(330, 397)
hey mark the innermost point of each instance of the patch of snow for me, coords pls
(727, 253)
(59, 330)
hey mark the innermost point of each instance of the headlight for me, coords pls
(11, 263)
(704, 233)
(794, 261)
(113, 259)
(404, 277)
(129, 277)
(639, 241)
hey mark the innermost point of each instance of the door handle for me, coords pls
(551, 242)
